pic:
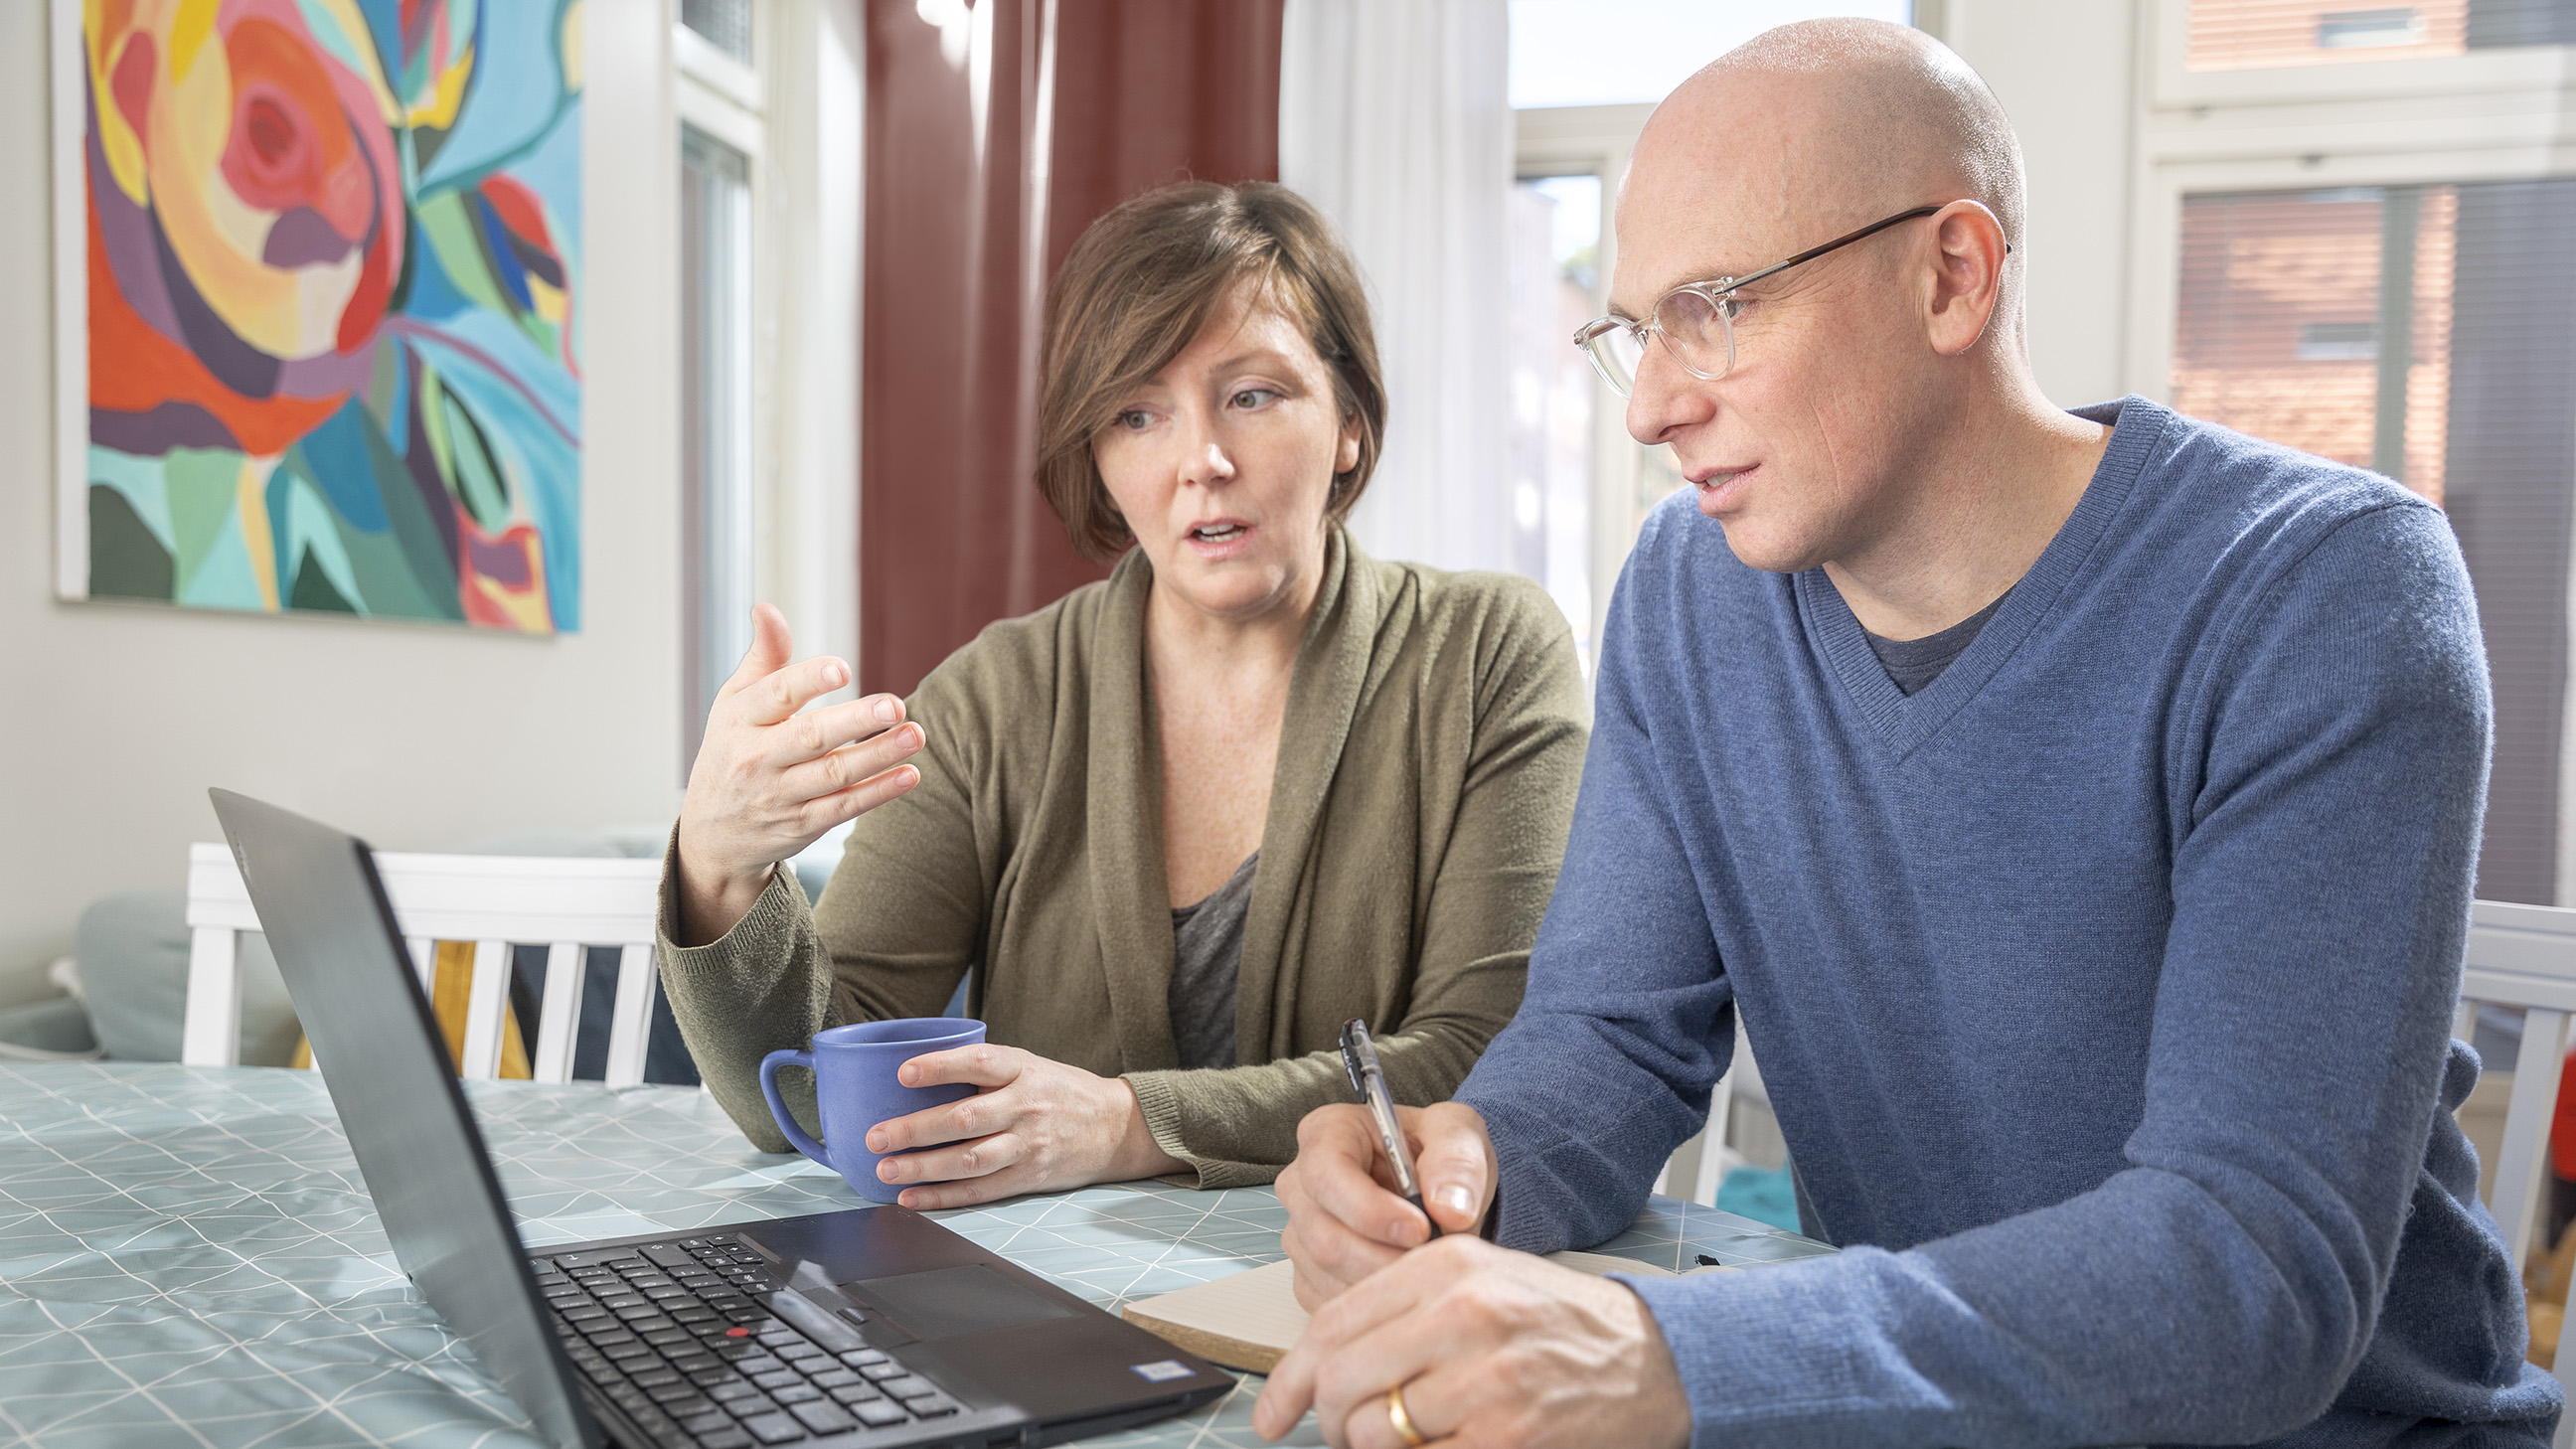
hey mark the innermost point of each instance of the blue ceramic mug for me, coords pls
(855, 1088)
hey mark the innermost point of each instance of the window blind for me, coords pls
(2245, 34)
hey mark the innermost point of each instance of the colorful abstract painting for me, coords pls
(332, 280)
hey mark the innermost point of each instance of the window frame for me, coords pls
(796, 113)
(723, 99)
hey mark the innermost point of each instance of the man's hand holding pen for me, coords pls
(1347, 1212)
(1467, 1339)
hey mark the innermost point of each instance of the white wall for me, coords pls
(2066, 72)
(115, 718)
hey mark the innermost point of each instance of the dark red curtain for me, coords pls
(990, 146)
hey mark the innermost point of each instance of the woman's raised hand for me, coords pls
(769, 781)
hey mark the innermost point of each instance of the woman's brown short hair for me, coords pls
(1139, 285)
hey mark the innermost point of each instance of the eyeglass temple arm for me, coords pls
(1811, 253)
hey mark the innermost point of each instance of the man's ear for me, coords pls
(1967, 277)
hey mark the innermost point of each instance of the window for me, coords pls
(1555, 271)
(715, 421)
(1576, 475)
(723, 132)
(765, 130)
(724, 24)
(2318, 273)
(2427, 332)
(2321, 319)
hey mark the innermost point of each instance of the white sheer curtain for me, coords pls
(1395, 119)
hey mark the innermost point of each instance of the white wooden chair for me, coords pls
(565, 903)
(2525, 956)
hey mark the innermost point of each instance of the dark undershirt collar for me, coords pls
(1915, 663)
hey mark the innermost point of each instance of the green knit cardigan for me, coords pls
(1426, 777)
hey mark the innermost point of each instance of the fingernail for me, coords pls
(886, 711)
(1454, 1197)
(834, 676)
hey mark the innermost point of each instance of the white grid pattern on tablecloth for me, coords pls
(187, 1255)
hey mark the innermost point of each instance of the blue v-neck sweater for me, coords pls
(2102, 988)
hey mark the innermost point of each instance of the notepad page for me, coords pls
(1250, 1320)
(1257, 1307)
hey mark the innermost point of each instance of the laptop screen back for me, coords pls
(385, 1063)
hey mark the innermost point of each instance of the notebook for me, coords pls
(1250, 1320)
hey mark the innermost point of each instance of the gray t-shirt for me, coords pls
(1207, 951)
(1915, 663)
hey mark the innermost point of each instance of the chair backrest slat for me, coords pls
(486, 1009)
(559, 1017)
(631, 1022)
(563, 903)
(217, 895)
(2525, 956)
(2520, 1163)
(211, 1029)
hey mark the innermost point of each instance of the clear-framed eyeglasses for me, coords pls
(1697, 319)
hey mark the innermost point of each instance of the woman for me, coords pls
(1181, 824)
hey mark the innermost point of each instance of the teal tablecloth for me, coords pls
(187, 1256)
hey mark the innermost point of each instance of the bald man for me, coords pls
(2079, 812)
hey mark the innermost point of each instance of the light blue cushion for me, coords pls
(55, 1026)
(133, 953)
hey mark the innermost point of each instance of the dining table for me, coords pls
(188, 1255)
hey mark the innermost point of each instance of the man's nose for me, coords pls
(1666, 397)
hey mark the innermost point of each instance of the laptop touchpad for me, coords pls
(945, 1302)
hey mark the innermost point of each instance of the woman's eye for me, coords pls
(1134, 420)
(1253, 397)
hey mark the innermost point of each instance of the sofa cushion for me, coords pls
(133, 954)
(47, 1030)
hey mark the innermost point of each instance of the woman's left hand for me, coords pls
(1033, 1125)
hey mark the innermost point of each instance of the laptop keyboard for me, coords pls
(676, 1336)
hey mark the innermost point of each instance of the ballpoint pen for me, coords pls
(1359, 1058)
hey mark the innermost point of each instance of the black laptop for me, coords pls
(865, 1327)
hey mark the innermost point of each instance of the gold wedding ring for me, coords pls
(1403, 1421)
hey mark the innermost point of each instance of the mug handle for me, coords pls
(796, 1137)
